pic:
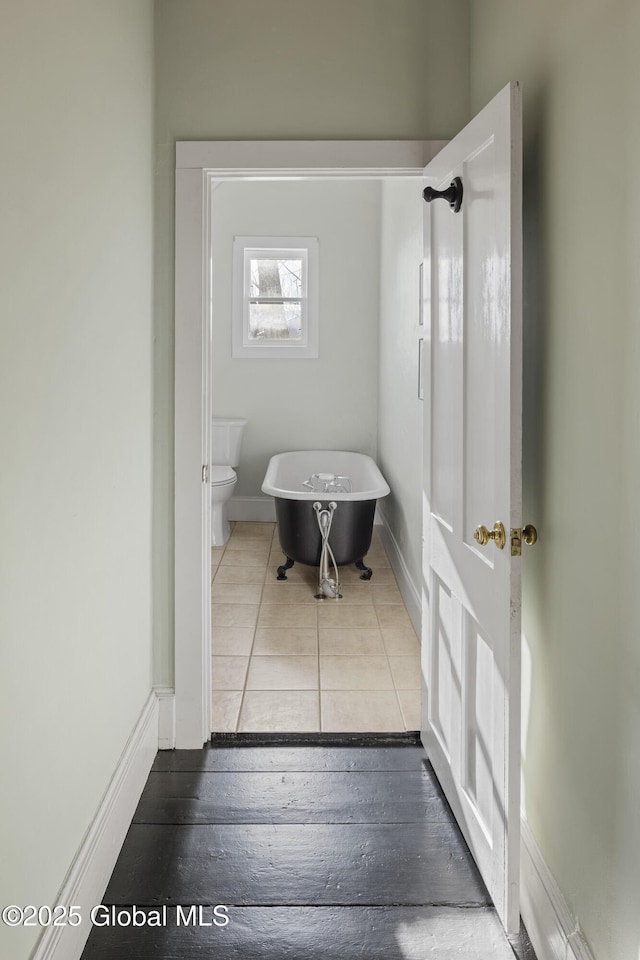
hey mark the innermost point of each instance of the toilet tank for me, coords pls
(226, 440)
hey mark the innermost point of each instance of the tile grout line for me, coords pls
(224, 549)
(255, 630)
(320, 719)
(386, 652)
(395, 686)
(213, 575)
(317, 655)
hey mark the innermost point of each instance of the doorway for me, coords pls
(200, 167)
(282, 660)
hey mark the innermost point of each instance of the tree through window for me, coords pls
(275, 297)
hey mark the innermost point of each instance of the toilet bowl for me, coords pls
(223, 481)
(226, 440)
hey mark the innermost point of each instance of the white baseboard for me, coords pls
(554, 933)
(262, 509)
(166, 717)
(90, 871)
(407, 587)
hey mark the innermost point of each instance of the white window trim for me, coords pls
(308, 347)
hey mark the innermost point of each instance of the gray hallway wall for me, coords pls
(579, 67)
(76, 191)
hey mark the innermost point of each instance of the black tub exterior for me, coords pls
(351, 530)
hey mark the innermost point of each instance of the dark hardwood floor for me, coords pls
(318, 848)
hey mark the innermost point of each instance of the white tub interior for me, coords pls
(287, 472)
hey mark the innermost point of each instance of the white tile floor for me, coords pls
(286, 662)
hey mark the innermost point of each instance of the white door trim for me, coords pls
(192, 613)
(200, 165)
(242, 159)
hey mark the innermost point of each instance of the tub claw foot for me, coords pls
(282, 571)
(367, 572)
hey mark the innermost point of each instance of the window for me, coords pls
(275, 297)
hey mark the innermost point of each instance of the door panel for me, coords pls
(471, 603)
(477, 704)
(444, 706)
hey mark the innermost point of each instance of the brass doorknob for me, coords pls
(529, 534)
(482, 535)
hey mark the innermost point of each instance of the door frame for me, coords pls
(200, 166)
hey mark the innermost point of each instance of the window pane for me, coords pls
(275, 278)
(275, 321)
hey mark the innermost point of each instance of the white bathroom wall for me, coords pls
(399, 409)
(302, 404)
(76, 175)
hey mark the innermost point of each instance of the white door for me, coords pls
(472, 478)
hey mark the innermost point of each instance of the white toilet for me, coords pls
(226, 440)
